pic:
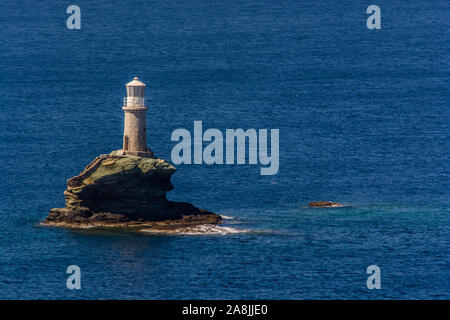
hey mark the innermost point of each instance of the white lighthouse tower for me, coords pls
(134, 132)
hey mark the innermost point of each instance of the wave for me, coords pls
(224, 217)
(202, 229)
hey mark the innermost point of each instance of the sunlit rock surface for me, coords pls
(125, 191)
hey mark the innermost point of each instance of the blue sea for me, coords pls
(363, 117)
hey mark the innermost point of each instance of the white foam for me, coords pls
(202, 229)
(226, 217)
(211, 229)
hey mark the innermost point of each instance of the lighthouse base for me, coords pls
(127, 192)
(143, 154)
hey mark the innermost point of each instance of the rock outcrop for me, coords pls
(325, 204)
(125, 191)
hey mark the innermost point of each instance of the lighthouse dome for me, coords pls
(135, 88)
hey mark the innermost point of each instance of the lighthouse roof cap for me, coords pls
(135, 83)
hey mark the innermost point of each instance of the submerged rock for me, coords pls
(325, 204)
(125, 191)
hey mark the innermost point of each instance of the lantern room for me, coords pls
(135, 93)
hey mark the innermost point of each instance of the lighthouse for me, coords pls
(134, 131)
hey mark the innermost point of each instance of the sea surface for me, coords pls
(364, 120)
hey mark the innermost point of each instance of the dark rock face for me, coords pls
(123, 190)
(325, 204)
